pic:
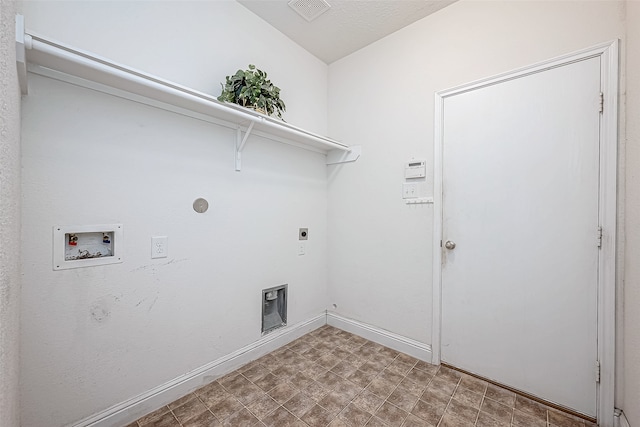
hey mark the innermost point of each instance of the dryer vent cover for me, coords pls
(309, 9)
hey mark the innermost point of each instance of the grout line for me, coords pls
(174, 416)
(484, 394)
(450, 399)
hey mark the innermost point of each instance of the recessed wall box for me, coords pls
(86, 245)
(274, 308)
(303, 234)
(415, 169)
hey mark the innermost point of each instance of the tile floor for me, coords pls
(330, 377)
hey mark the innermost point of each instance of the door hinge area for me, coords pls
(599, 237)
(597, 371)
(601, 102)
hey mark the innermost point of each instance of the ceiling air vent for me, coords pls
(309, 9)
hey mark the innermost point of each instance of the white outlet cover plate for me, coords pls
(159, 248)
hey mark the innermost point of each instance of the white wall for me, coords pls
(194, 43)
(379, 251)
(382, 97)
(631, 300)
(95, 337)
(9, 219)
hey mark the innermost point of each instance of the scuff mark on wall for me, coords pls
(99, 313)
(101, 309)
(146, 299)
(152, 266)
(152, 304)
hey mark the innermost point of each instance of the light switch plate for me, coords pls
(409, 190)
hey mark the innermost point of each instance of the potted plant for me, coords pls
(251, 88)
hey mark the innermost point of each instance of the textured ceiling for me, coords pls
(345, 28)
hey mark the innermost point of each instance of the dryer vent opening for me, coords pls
(274, 308)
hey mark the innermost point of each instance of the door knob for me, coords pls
(450, 245)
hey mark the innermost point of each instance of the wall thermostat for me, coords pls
(415, 169)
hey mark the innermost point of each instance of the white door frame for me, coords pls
(608, 53)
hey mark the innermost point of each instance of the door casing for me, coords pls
(608, 53)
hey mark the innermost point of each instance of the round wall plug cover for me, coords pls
(200, 205)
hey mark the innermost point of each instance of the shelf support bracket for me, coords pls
(240, 143)
(337, 156)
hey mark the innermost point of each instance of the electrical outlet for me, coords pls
(159, 247)
(301, 248)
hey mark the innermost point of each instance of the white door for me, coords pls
(520, 202)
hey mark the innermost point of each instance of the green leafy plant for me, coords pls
(251, 88)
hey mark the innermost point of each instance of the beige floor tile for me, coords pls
(317, 416)
(361, 378)
(452, 420)
(402, 399)
(189, 409)
(269, 381)
(427, 367)
(496, 410)
(206, 419)
(501, 395)
(484, 420)
(442, 386)
(435, 396)
(241, 418)
(462, 411)
(315, 390)
(368, 401)
(339, 422)
(431, 412)
(334, 403)
(263, 406)
(413, 421)
(556, 419)
(375, 422)
(474, 384)
(450, 374)
(334, 378)
(467, 397)
(354, 416)
(344, 369)
(166, 420)
(530, 407)
(280, 418)
(299, 404)
(329, 380)
(391, 415)
(153, 415)
(282, 392)
(409, 387)
(226, 408)
(522, 419)
(419, 376)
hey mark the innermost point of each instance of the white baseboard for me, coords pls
(132, 409)
(389, 339)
